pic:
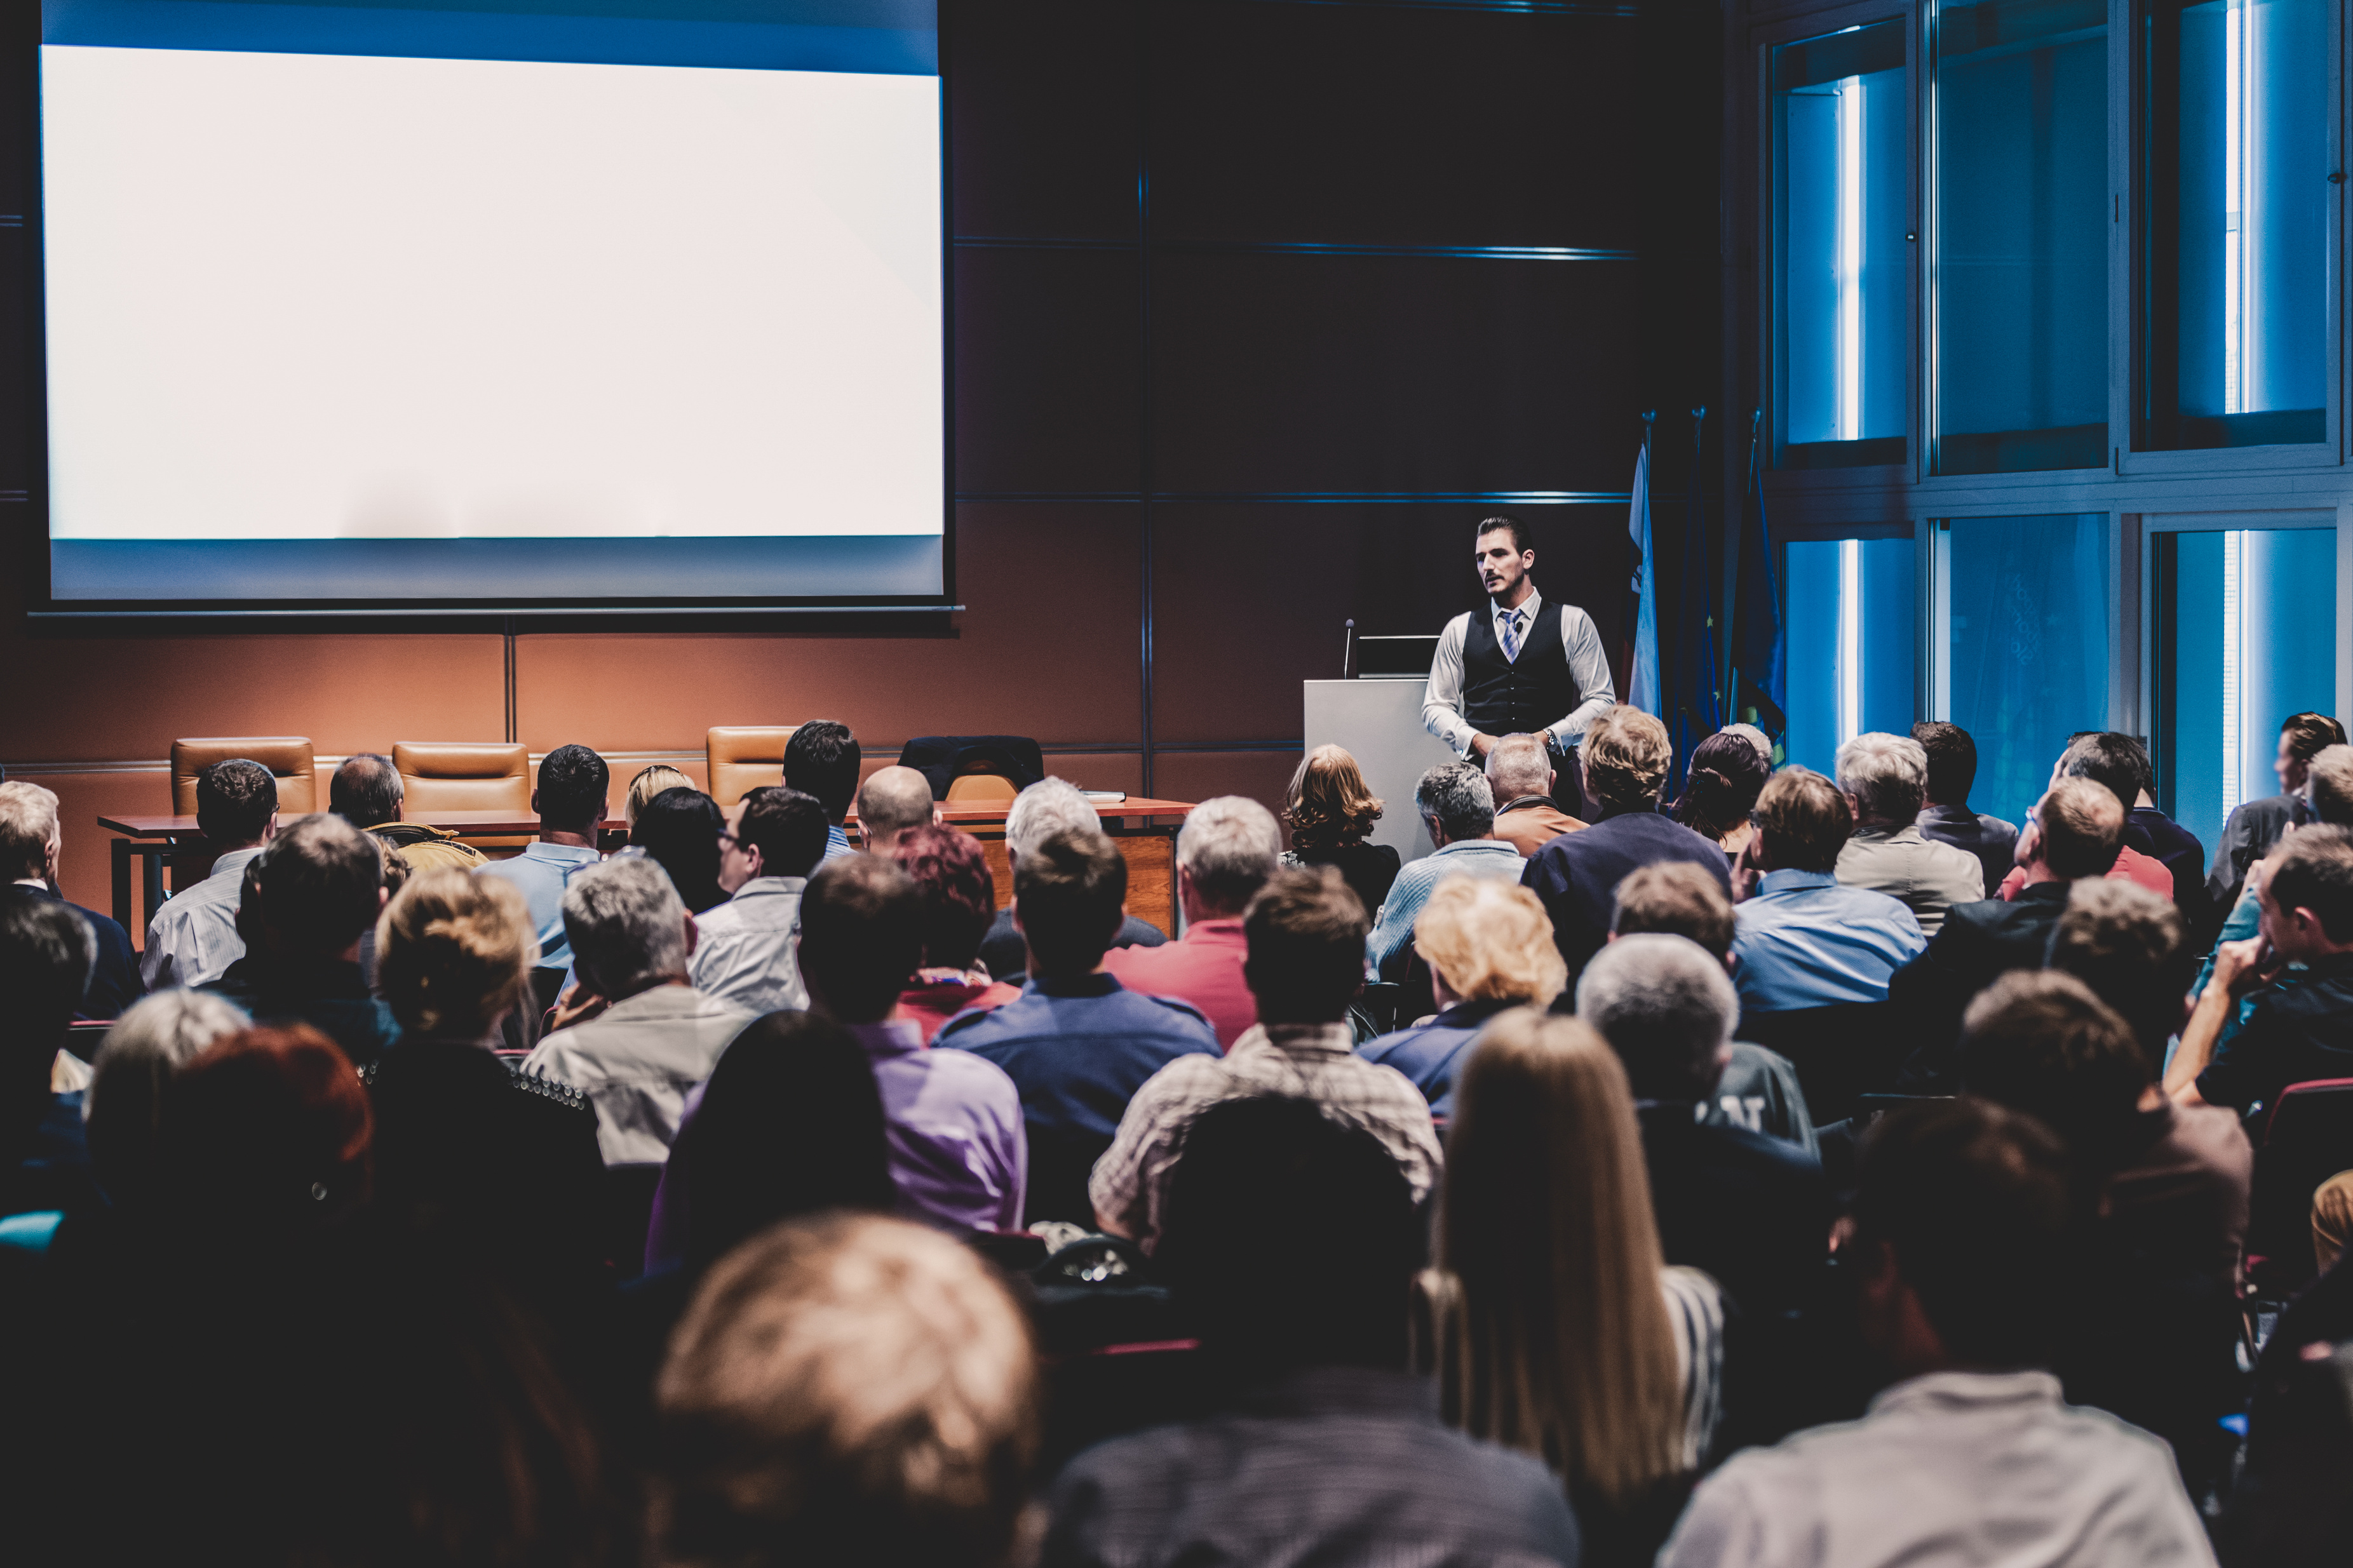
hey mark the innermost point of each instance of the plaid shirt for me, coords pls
(1310, 1061)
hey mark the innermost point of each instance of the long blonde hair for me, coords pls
(1552, 1333)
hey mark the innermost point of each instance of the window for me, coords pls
(1850, 625)
(1841, 262)
(2234, 257)
(2021, 624)
(2022, 217)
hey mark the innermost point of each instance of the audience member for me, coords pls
(2132, 948)
(846, 1389)
(2117, 765)
(1885, 781)
(1329, 810)
(1225, 852)
(2072, 833)
(366, 791)
(192, 938)
(1077, 1043)
(1727, 772)
(47, 953)
(657, 1037)
(1489, 948)
(1042, 810)
(649, 782)
(123, 1108)
(2293, 1509)
(1804, 937)
(1751, 1211)
(570, 798)
(267, 1138)
(2256, 825)
(1948, 819)
(821, 760)
(30, 846)
(1459, 810)
(895, 801)
(1626, 756)
(1759, 1089)
(1292, 1239)
(959, 902)
(744, 956)
(1305, 931)
(955, 1121)
(1521, 776)
(309, 898)
(678, 830)
(2152, 833)
(1753, 736)
(2327, 797)
(1560, 1329)
(1970, 1456)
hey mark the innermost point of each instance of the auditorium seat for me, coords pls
(982, 788)
(744, 757)
(288, 758)
(462, 775)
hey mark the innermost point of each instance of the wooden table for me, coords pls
(1145, 830)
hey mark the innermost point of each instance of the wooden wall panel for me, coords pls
(1264, 776)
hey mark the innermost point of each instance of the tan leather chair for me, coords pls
(743, 758)
(461, 776)
(980, 789)
(288, 758)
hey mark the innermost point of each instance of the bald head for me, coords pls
(1519, 765)
(366, 791)
(888, 804)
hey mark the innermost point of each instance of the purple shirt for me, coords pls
(953, 1121)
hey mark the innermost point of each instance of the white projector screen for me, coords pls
(359, 327)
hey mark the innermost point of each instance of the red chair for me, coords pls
(2307, 1138)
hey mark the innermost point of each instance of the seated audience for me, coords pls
(1759, 1088)
(1751, 1211)
(846, 1389)
(2152, 833)
(366, 791)
(1947, 818)
(959, 902)
(1077, 1043)
(1970, 1456)
(2327, 796)
(1225, 852)
(678, 831)
(821, 760)
(1804, 938)
(1039, 812)
(954, 1121)
(1726, 772)
(1489, 948)
(895, 801)
(1885, 781)
(123, 1108)
(2132, 948)
(30, 846)
(570, 798)
(267, 1140)
(47, 953)
(1292, 1240)
(657, 1035)
(649, 782)
(2293, 1509)
(744, 955)
(1560, 1330)
(2255, 825)
(1459, 810)
(1753, 736)
(309, 896)
(1329, 811)
(1626, 756)
(2117, 765)
(1521, 776)
(192, 938)
(2072, 833)
(1306, 933)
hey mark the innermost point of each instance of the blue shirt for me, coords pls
(1079, 1047)
(1431, 1053)
(1470, 857)
(837, 843)
(1805, 940)
(542, 871)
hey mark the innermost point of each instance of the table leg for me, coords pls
(152, 858)
(121, 858)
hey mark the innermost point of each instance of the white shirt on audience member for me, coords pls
(636, 1061)
(193, 939)
(744, 950)
(1955, 1467)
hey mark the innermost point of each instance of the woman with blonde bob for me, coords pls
(1554, 1323)
(1489, 947)
(1329, 809)
(650, 782)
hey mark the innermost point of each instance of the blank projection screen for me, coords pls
(443, 303)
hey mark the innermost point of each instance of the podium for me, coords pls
(1378, 719)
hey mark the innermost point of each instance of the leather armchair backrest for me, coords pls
(743, 758)
(462, 775)
(288, 758)
(981, 789)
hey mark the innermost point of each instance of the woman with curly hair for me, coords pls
(1330, 810)
(1727, 772)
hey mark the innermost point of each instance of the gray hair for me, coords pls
(1458, 796)
(1755, 737)
(626, 925)
(1886, 774)
(1665, 1005)
(155, 1037)
(1229, 847)
(1519, 765)
(1047, 807)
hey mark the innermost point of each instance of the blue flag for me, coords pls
(1760, 680)
(1695, 711)
(1642, 689)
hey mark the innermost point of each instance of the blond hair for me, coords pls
(1626, 754)
(1553, 1334)
(454, 953)
(28, 827)
(1490, 942)
(650, 782)
(1329, 805)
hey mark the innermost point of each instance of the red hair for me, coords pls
(271, 1127)
(959, 893)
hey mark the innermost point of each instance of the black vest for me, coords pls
(1502, 698)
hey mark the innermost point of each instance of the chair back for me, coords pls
(745, 757)
(1840, 1052)
(462, 775)
(2316, 1115)
(288, 758)
(981, 789)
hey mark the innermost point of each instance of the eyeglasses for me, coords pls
(725, 838)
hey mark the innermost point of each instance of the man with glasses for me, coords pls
(774, 838)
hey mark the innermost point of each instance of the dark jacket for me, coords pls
(1367, 868)
(1008, 956)
(2246, 838)
(1993, 841)
(2155, 834)
(331, 997)
(1576, 875)
(1753, 1212)
(1431, 1053)
(1978, 943)
(2300, 1027)
(114, 983)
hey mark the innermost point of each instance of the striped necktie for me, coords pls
(1510, 619)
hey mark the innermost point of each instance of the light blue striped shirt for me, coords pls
(1806, 940)
(1470, 856)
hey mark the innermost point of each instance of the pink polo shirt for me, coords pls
(1204, 967)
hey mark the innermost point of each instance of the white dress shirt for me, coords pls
(1588, 664)
(746, 950)
(1957, 1467)
(636, 1061)
(193, 939)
